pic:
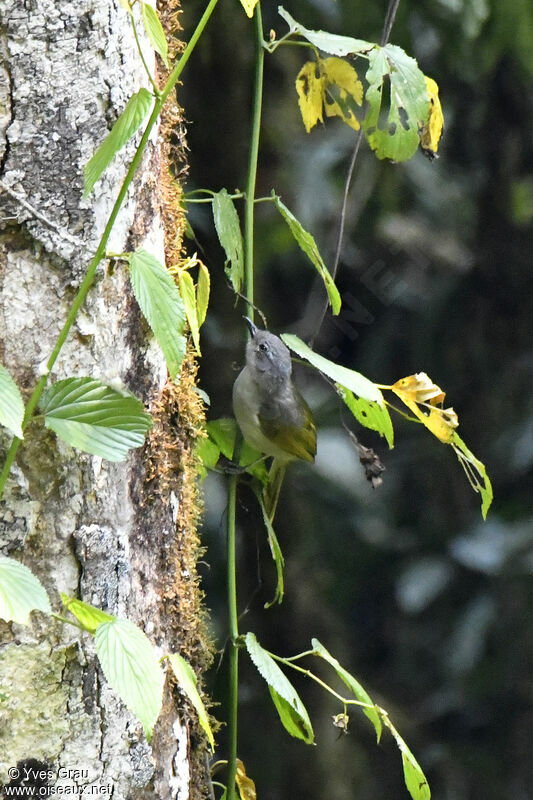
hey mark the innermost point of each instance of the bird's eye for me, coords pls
(263, 347)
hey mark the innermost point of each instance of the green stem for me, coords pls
(232, 485)
(344, 700)
(252, 163)
(100, 252)
(233, 699)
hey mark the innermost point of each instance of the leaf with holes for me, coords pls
(369, 413)
(392, 129)
(93, 417)
(20, 592)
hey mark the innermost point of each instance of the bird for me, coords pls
(272, 415)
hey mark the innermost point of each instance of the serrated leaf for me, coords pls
(307, 243)
(277, 555)
(329, 42)
(249, 6)
(397, 136)
(369, 413)
(154, 31)
(187, 681)
(126, 125)
(415, 780)
(229, 233)
(203, 290)
(89, 616)
(188, 295)
(161, 303)
(291, 710)
(11, 404)
(348, 378)
(132, 669)
(20, 592)
(95, 418)
(352, 683)
(223, 432)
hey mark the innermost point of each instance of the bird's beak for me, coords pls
(252, 326)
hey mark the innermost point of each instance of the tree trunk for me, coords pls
(120, 536)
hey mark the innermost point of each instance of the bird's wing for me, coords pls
(294, 434)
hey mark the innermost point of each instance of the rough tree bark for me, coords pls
(120, 536)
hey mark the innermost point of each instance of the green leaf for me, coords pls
(11, 404)
(475, 472)
(202, 292)
(348, 378)
(353, 685)
(91, 416)
(254, 462)
(292, 712)
(154, 31)
(126, 125)
(309, 246)
(208, 452)
(161, 303)
(328, 42)
(188, 295)
(277, 555)
(20, 592)
(132, 669)
(415, 780)
(396, 137)
(89, 616)
(369, 413)
(229, 233)
(223, 432)
(187, 681)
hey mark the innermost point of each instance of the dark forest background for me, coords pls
(428, 606)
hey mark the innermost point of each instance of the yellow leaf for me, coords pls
(249, 6)
(339, 73)
(310, 87)
(432, 130)
(419, 390)
(245, 784)
(202, 292)
(188, 295)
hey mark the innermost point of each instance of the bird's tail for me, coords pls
(273, 488)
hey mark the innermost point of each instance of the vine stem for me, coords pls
(387, 27)
(233, 620)
(289, 662)
(101, 249)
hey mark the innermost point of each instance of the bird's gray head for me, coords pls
(267, 356)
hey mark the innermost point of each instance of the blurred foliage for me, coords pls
(428, 606)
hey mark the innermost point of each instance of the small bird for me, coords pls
(270, 411)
